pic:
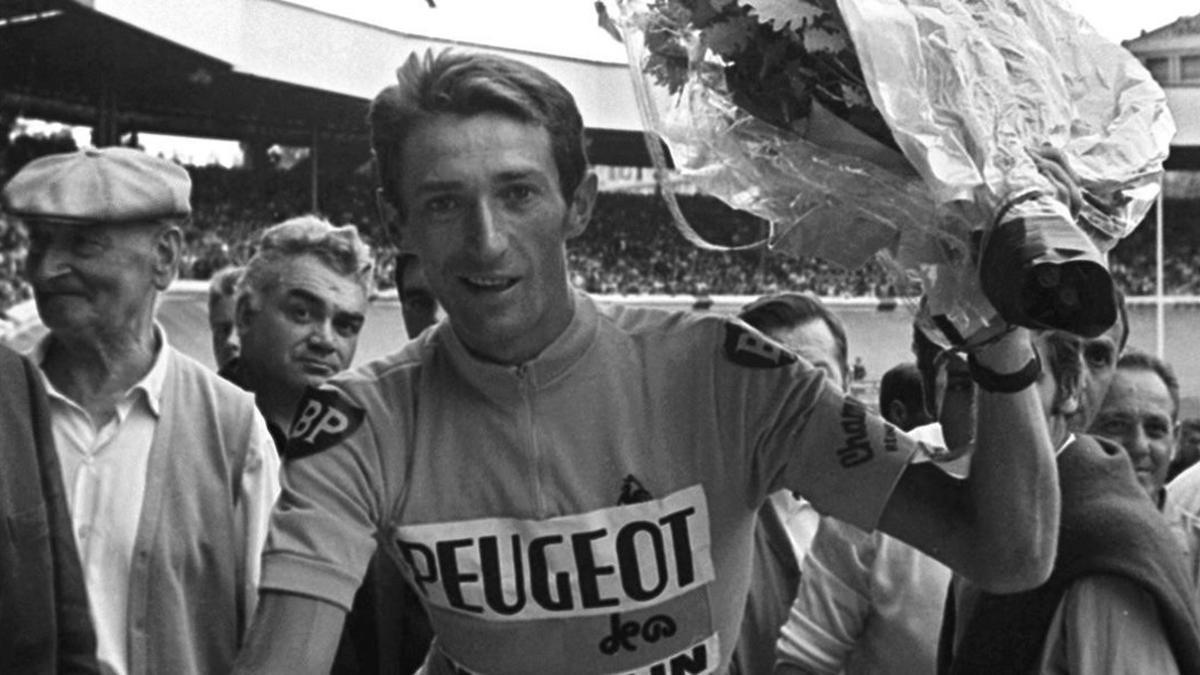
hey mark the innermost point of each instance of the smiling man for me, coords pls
(168, 469)
(1140, 412)
(571, 488)
(300, 306)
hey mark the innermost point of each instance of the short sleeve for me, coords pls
(804, 434)
(323, 526)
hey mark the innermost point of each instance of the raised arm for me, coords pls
(998, 527)
(292, 635)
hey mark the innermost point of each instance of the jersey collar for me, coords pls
(541, 371)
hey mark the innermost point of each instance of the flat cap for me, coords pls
(105, 185)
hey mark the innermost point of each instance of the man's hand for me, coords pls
(1006, 353)
(999, 526)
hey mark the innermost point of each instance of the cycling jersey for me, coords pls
(590, 511)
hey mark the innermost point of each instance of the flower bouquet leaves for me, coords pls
(914, 131)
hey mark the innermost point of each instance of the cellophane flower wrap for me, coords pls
(900, 129)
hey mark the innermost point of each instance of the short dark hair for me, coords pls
(1136, 360)
(466, 84)
(783, 311)
(902, 383)
(223, 283)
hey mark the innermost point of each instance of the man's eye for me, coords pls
(85, 246)
(441, 204)
(517, 193)
(1111, 427)
(299, 313)
(1157, 429)
(347, 327)
(1099, 355)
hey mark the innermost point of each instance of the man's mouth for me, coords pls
(1144, 473)
(318, 367)
(488, 283)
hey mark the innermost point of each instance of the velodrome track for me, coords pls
(879, 332)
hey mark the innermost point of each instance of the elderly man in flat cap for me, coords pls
(169, 470)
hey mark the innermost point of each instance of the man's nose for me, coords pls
(1137, 444)
(45, 262)
(322, 336)
(486, 234)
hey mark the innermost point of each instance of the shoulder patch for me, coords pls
(747, 347)
(323, 419)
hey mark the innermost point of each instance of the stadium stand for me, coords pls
(630, 248)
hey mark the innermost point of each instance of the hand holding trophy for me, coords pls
(993, 151)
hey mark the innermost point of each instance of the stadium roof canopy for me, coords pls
(292, 71)
(1171, 52)
(267, 70)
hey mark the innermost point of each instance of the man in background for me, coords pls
(170, 472)
(1188, 450)
(221, 302)
(1120, 597)
(902, 398)
(786, 523)
(1140, 414)
(417, 302)
(868, 602)
(301, 303)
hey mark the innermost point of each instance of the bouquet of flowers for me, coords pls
(915, 131)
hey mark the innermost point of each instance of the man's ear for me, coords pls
(168, 251)
(579, 211)
(897, 412)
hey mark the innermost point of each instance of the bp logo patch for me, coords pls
(747, 347)
(324, 419)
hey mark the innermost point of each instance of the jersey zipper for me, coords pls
(525, 385)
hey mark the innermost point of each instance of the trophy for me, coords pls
(916, 132)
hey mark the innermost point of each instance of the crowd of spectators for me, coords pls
(631, 246)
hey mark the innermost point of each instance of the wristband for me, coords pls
(1010, 383)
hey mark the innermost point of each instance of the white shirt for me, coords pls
(104, 475)
(1182, 510)
(867, 602)
(798, 517)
